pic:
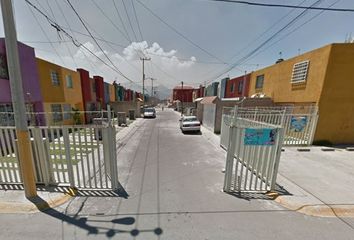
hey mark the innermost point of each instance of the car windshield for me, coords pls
(149, 110)
(193, 119)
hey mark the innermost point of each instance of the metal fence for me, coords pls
(79, 156)
(253, 150)
(299, 122)
(58, 118)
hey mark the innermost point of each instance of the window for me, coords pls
(69, 81)
(259, 81)
(57, 112)
(299, 74)
(232, 87)
(240, 86)
(67, 111)
(55, 78)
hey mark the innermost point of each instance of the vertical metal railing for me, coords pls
(253, 166)
(299, 123)
(76, 156)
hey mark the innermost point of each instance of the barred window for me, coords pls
(57, 112)
(300, 70)
(240, 86)
(69, 81)
(67, 111)
(55, 78)
(259, 81)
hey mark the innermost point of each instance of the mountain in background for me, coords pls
(162, 91)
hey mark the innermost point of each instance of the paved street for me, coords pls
(173, 188)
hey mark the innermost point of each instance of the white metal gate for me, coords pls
(299, 122)
(209, 116)
(79, 156)
(253, 151)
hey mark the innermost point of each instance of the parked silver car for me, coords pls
(149, 113)
(189, 123)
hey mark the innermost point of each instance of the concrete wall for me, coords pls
(126, 106)
(336, 106)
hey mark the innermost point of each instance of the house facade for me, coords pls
(61, 91)
(31, 89)
(183, 94)
(238, 86)
(322, 77)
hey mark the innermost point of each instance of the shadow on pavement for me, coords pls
(192, 133)
(279, 191)
(89, 224)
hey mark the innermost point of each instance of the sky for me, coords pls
(212, 39)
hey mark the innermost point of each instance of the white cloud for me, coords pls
(165, 66)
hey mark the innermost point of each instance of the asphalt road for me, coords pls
(173, 188)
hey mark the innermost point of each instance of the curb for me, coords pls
(318, 210)
(37, 205)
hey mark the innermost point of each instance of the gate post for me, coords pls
(68, 157)
(113, 156)
(314, 117)
(42, 159)
(230, 153)
(277, 158)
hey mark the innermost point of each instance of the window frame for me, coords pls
(55, 80)
(240, 87)
(300, 72)
(57, 114)
(259, 79)
(69, 79)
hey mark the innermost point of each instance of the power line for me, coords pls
(121, 20)
(266, 31)
(110, 20)
(74, 41)
(178, 32)
(295, 29)
(286, 6)
(103, 52)
(137, 20)
(46, 35)
(66, 46)
(243, 59)
(130, 23)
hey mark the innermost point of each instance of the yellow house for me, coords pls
(61, 91)
(324, 77)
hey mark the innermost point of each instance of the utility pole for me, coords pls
(244, 85)
(152, 89)
(23, 142)
(144, 59)
(182, 98)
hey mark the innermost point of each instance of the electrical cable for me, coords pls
(286, 6)
(103, 52)
(46, 35)
(178, 32)
(111, 21)
(121, 20)
(243, 59)
(130, 23)
(137, 20)
(74, 41)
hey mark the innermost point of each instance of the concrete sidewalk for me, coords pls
(12, 196)
(318, 182)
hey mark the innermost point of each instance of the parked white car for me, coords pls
(149, 113)
(189, 124)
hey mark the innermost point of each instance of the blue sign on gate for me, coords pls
(298, 124)
(260, 136)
